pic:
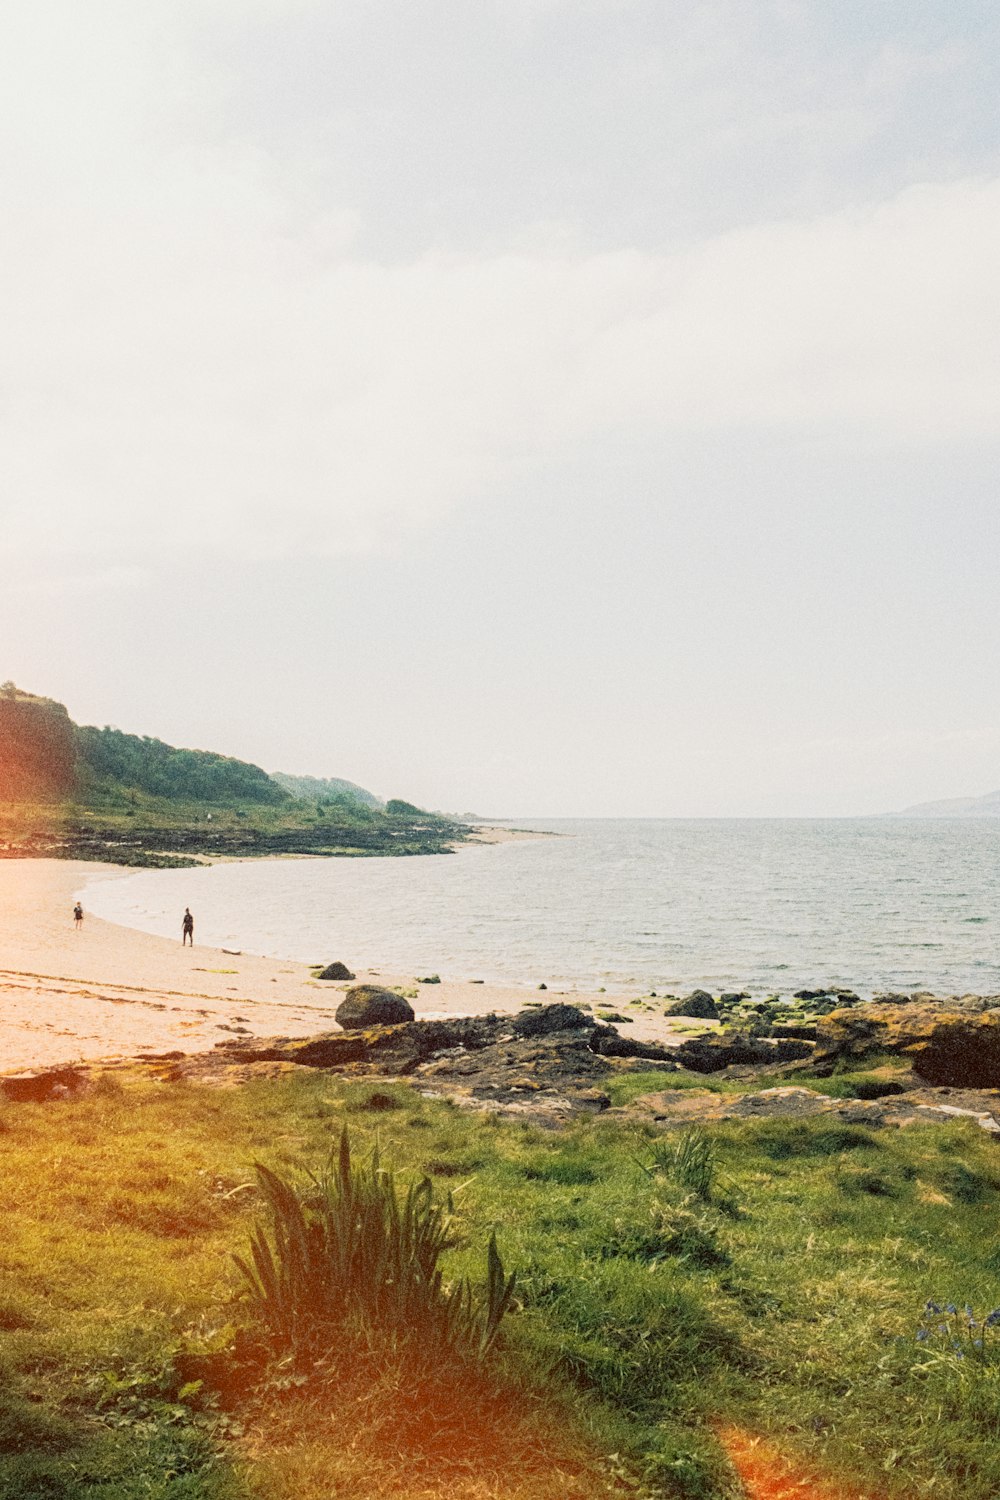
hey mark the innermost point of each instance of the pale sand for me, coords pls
(107, 991)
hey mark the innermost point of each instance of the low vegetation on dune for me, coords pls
(306, 1287)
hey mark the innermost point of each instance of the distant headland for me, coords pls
(78, 792)
(987, 806)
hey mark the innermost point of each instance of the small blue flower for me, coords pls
(951, 1308)
(921, 1335)
(932, 1307)
(977, 1343)
(992, 1319)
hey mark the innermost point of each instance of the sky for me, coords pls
(535, 407)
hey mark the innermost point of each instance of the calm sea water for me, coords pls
(765, 905)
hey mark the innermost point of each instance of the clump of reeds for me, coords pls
(690, 1159)
(354, 1250)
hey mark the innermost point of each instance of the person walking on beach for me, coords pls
(78, 915)
(187, 928)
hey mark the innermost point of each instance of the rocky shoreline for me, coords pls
(555, 1061)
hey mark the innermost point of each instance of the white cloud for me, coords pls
(194, 347)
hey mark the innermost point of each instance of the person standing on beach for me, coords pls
(78, 915)
(187, 928)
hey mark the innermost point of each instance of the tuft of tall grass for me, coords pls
(689, 1158)
(355, 1252)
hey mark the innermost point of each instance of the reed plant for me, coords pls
(354, 1253)
(689, 1159)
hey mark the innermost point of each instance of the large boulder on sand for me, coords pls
(369, 1005)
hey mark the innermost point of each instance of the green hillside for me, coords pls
(81, 792)
(107, 756)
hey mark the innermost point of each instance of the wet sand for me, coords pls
(67, 995)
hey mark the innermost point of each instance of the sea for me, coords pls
(768, 906)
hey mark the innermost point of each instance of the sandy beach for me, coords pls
(108, 991)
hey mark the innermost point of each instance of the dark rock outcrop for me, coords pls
(370, 1005)
(556, 1070)
(700, 1005)
(801, 1031)
(552, 1061)
(336, 971)
(955, 1048)
(395, 1049)
(43, 1085)
(549, 1018)
(712, 1052)
(607, 1042)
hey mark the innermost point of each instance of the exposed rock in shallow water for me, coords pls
(371, 1005)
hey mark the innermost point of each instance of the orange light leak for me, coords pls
(766, 1474)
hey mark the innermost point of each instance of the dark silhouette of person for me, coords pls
(187, 928)
(78, 915)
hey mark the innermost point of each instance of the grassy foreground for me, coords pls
(768, 1275)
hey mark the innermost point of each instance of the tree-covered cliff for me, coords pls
(148, 765)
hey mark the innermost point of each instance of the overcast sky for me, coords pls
(569, 407)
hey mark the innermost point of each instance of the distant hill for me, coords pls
(987, 806)
(325, 788)
(45, 757)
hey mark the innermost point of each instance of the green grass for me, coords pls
(629, 1086)
(785, 1296)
